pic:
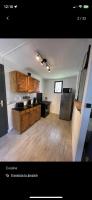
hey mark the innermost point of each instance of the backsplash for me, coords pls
(19, 97)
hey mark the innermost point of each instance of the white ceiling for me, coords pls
(64, 55)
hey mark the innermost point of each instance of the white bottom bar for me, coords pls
(49, 197)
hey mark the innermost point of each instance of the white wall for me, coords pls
(54, 97)
(76, 122)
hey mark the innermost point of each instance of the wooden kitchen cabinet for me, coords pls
(31, 116)
(33, 85)
(30, 84)
(38, 112)
(18, 81)
(22, 120)
(36, 85)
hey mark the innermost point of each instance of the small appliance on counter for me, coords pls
(29, 103)
(34, 101)
(26, 97)
(39, 97)
(19, 106)
(67, 90)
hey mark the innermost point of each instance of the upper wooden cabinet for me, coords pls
(30, 84)
(20, 82)
(36, 85)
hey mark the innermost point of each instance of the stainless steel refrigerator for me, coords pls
(66, 106)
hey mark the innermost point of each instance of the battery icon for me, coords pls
(85, 6)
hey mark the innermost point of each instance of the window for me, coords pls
(58, 86)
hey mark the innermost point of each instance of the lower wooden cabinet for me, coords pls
(24, 124)
(38, 113)
(22, 120)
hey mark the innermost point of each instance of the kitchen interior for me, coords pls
(39, 93)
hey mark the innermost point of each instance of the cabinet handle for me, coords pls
(1, 103)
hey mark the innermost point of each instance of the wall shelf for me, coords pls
(78, 105)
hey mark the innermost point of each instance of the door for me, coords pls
(3, 104)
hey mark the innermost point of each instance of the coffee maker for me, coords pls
(39, 97)
(34, 101)
(29, 103)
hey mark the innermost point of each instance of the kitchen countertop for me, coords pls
(25, 107)
(45, 102)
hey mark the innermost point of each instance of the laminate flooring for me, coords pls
(49, 139)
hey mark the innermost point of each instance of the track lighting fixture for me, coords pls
(43, 61)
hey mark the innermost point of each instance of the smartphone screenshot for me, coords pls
(45, 99)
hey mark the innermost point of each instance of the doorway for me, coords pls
(3, 104)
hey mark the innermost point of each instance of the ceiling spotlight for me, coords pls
(49, 70)
(47, 66)
(38, 57)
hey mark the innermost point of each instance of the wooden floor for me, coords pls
(49, 139)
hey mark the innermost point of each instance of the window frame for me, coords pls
(61, 87)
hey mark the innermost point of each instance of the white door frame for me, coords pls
(85, 112)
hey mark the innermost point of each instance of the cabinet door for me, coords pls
(24, 121)
(21, 80)
(30, 84)
(36, 85)
(33, 116)
(38, 113)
